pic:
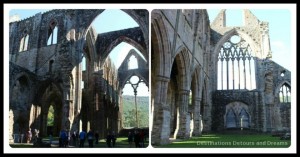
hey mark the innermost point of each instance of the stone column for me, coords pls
(161, 113)
(183, 116)
(66, 116)
(197, 117)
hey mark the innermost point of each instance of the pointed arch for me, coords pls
(231, 119)
(133, 74)
(235, 62)
(119, 40)
(183, 65)
(52, 32)
(284, 92)
(253, 45)
(24, 42)
(160, 51)
(237, 115)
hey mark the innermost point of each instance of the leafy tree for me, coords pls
(129, 111)
(50, 118)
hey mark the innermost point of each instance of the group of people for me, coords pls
(32, 136)
(111, 139)
(65, 138)
(138, 138)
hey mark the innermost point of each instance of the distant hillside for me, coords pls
(129, 111)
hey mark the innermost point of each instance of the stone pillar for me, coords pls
(66, 116)
(161, 113)
(197, 117)
(11, 125)
(120, 112)
(102, 121)
(269, 94)
(183, 116)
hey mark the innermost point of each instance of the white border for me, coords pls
(149, 7)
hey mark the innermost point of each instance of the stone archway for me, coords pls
(160, 72)
(51, 97)
(237, 116)
(181, 75)
(20, 105)
(196, 88)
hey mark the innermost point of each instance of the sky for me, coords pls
(103, 23)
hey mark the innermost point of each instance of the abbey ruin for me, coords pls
(213, 78)
(45, 72)
(205, 76)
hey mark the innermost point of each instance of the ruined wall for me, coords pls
(57, 69)
(180, 47)
(268, 109)
(253, 99)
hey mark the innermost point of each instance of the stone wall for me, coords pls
(52, 74)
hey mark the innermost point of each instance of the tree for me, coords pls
(50, 118)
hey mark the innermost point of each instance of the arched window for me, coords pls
(237, 115)
(244, 119)
(285, 94)
(24, 42)
(51, 66)
(133, 63)
(190, 97)
(230, 119)
(236, 65)
(52, 33)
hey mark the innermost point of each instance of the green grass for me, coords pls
(21, 145)
(230, 141)
(120, 143)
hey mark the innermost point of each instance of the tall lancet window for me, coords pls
(236, 65)
(285, 94)
(52, 33)
(24, 42)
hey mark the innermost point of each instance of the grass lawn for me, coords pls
(229, 141)
(121, 142)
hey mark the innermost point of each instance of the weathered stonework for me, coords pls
(185, 97)
(180, 44)
(43, 74)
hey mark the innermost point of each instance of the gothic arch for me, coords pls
(242, 54)
(255, 48)
(93, 13)
(183, 66)
(237, 115)
(52, 25)
(161, 55)
(89, 49)
(25, 75)
(20, 100)
(119, 40)
(52, 94)
(281, 84)
(134, 74)
(195, 82)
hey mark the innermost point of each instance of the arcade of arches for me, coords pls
(204, 77)
(45, 71)
(210, 77)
